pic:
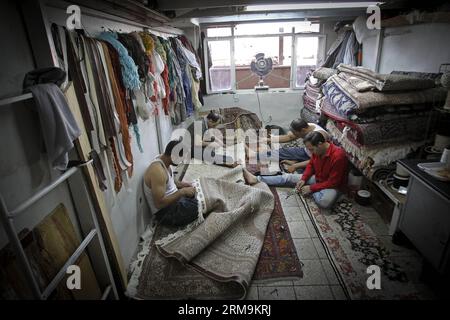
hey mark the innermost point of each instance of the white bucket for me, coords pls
(445, 158)
(440, 142)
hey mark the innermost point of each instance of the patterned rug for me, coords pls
(222, 245)
(352, 247)
(278, 258)
(163, 278)
(238, 118)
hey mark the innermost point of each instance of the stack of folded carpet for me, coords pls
(313, 93)
(378, 118)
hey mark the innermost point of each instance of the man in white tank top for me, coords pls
(173, 203)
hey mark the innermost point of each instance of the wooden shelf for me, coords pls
(126, 9)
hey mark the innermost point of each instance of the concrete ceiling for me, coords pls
(187, 13)
(165, 5)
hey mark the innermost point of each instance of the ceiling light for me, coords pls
(306, 6)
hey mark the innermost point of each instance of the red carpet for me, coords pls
(278, 258)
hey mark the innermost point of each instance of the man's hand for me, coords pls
(183, 184)
(288, 162)
(291, 169)
(188, 192)
(299, 185)
(305, 190)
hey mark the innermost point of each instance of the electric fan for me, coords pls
(261, 66)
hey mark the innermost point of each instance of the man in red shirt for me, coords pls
(326, 174)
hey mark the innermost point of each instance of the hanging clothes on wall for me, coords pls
(200, 55)
(120, 109)
(76, 75)
(177, 96)
(130, 77)
(119, 76)
(185, 76)
(58, 125)
(164, 74)
(194, 72)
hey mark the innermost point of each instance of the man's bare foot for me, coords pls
(232, 165)
(249, 178)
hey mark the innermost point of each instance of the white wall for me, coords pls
(421, 47)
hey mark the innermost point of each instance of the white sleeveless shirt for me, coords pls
(171, 187)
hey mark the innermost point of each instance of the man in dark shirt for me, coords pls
(201, 138)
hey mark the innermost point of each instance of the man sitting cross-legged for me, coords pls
(325, 176)
(295, 159)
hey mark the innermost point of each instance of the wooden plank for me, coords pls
(48, 247)
(83, 147)
(57, 242)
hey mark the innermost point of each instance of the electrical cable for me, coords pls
(260, 111)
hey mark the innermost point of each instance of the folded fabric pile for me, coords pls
(343, 50)
(313, 93)
(378, 118)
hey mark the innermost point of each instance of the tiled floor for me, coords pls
(319, 279)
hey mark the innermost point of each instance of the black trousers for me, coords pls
(178, 214)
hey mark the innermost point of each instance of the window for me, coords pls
(291, 46)
(218, 32)
(220, 69)
(272, 47)
(274, 28)
(307, 57)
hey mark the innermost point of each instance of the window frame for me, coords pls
(320, 55)
(293, 76)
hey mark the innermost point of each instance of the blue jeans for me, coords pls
(292, 153)
(288, 153)
(324, 198)
(178, 214)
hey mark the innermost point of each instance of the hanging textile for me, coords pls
(137, 53)
(191, 59)
(148, 42)
(104, 103)
(129, 109)
(176, 98)
(120, 106)
(76, 75)
(58, 125)
(185, 77)
(98, 168)
(130, 76)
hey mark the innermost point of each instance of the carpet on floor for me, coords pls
(278, 259)
(215, 256)
(352, 247)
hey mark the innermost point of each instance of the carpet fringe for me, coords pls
(136, 266)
